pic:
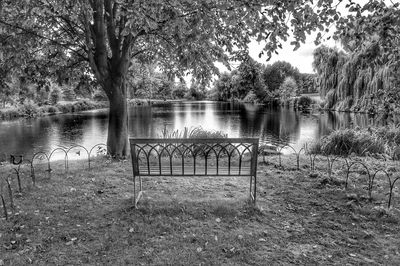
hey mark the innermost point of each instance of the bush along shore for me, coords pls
(372, 141)
(139, 101)
(29, 109)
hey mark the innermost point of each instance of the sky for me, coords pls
(303, 57)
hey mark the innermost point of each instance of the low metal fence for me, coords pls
(12, 183)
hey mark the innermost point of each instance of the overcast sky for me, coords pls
(302, 58)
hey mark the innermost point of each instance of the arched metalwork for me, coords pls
(4, 207)
(42, 155)
(10, 193)
(331, 160)
(65, 157)
(194, 157)
(98, 146)
(390, 181)
(297, 153)
(391, 186)
(368, 175)
(188, 157)
(74, 147)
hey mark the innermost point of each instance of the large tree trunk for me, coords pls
(117, 140)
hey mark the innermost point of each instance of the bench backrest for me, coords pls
(194, 157)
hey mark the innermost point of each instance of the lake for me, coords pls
(271, 125)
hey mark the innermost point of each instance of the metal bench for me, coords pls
(194, 157)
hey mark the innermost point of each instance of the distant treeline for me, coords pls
(258, 83)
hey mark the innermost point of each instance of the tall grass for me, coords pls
(191, 133)
(350, 141)
(391, 134)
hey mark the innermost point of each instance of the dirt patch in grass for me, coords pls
(87, 217)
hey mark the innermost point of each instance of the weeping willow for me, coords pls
(355, 82)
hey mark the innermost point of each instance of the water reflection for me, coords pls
(272, 125)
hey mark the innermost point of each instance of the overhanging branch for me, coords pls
(44, 38)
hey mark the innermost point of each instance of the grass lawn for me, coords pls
(87, 217)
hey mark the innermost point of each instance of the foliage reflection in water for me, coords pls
(237, 120)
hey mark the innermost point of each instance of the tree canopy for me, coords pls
(182, 36)
(364, 77)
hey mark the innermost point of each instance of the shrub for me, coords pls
(348, 141)
(390, 134)
(9, 113)
(304, 101)
(99, 96)
(251, 97)
(55, 95)
(287, 89)
(179, 91)
(68, 94)
(52, 110)
(79, 106)
(65, 107)
(29, 109)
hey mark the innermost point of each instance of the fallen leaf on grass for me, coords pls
(231, 250)
(72, 241)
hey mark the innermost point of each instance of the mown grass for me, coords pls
(87, 217)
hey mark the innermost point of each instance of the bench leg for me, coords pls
(253, 188)
(140, 192)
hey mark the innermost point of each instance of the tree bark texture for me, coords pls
(109, 57)
(117, 139)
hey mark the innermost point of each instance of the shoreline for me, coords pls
(17, 112)
(32, 111)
